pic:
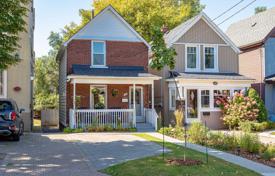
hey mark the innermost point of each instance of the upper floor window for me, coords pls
(98, 54)
(192, 57)
(210, 58)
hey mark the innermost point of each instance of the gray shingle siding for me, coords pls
(62, 88)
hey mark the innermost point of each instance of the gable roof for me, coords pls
(252, 30)
(108, 9)
(176, 33)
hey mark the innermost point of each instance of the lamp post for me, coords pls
(181, 105)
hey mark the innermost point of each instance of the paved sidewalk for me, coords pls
(257, 167)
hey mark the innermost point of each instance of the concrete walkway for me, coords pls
(257, 167)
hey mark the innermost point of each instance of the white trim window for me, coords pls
(205, 98)
(210, 58)
(3, 84)
(192, 57)
(98, 54)
(220, 94)
(172, 98)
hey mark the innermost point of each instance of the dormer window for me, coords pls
(192, 62)
(98, 54)
(210, 58)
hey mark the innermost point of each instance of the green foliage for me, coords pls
(12, 21)
(46, 76)
(177, 132)
(238, 109)
(162, 56)
(269, 153)
(69, 130)
(249, 126)
(260, 9)
(246, 126)
(179, 115)
(253, 94)
(249, 142)
(222, 141)
(198, 133)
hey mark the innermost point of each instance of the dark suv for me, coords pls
(11, 124)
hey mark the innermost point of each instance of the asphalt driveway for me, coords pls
(71, 154)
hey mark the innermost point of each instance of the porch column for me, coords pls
(152, 96)
(74, 103)
(134, 104)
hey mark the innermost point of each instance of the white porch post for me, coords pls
(153, 100)
(74, 103)
(134, 104)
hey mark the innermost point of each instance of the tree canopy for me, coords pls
(12, 14)
(147, 18)
(46, 76)
(260, 9)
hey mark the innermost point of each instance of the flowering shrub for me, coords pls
(237, 109)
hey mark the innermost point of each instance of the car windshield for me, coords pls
(5, 106)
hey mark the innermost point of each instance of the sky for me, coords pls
(53, 15)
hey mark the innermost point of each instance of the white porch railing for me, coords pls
(151, 117)
(116, 118)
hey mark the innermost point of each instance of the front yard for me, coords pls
(157, 166)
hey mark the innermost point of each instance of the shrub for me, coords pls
(253, 94)
(70, 130)
(246, 126)
(269, 153)
(179, 117)
(173, 132)
(239, 109)
(197, 133)
(222, 141)
(249, 142)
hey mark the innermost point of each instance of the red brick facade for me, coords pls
(118, 53)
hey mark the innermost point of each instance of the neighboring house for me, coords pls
(104, 75)
(207, 67)
(255, 37)
(16, 82)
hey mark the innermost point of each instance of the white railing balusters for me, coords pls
(81, 118)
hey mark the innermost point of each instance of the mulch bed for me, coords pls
(182, 162)
(255, 157)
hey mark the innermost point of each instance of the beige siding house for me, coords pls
(16, 82)
(206, 68)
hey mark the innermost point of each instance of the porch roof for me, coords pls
(119, 71)
(211, 76)
(111, 75)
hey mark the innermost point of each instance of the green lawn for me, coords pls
(273, 133)
(155, 166)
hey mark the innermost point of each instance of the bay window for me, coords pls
(218, 94)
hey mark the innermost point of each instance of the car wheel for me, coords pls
(16, 137)
(21, 128)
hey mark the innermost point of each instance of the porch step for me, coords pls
(144, 127)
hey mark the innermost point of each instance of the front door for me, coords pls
(139, 103)
(192, 105)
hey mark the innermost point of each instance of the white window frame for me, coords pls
(103, 87)
(197, 58)
(92, 54)
(170, 98)
(216, 64)
(209, 95)
(4, 95)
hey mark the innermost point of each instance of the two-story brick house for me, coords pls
(255, 37)
(104, 75)
(206, 68)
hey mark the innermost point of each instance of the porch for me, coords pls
(115, 102)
